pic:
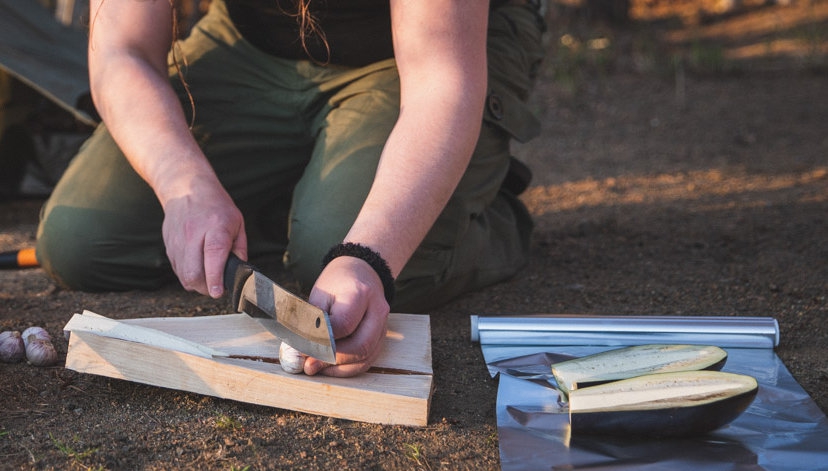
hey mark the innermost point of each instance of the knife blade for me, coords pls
(300, 324)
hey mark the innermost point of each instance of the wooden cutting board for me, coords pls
(396, 390)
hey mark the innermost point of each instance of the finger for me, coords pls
(344, 371)
(190, 267)
(171, 244)
(348, 369)
(345, 310)
(347, 316)
(217, 245)
(344, 290)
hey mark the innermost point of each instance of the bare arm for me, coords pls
(441, 55)
(440, 48)
(128, 46)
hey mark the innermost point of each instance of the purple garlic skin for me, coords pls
(37, 332)
(12, 347)
(40, 352)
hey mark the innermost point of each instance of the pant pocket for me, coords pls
(515, 53)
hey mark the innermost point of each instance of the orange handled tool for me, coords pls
(23, 258)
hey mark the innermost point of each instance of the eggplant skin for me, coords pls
(663, 423)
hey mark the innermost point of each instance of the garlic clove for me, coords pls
(41, 352)
(291, 360)
(37, 332)
(12, 347)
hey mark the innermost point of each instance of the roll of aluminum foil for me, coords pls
(562, 330)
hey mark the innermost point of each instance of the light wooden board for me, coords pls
(397, 390)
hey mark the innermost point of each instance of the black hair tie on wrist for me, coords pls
(375, 260)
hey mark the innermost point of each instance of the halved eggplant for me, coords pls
(662, 405)
(639, 360)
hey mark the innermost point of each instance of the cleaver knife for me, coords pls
(300, 324)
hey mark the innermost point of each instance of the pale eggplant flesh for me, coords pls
(662, 405)
(629, 362)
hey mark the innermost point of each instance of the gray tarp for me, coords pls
(44, 54)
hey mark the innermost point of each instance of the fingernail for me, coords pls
(215, 291)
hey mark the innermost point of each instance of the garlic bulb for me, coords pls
(37, 332)
(12, 348)
(40, 352)
(291, 360)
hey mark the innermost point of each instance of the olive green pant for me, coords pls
(296, 144)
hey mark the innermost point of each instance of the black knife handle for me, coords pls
(236, 272)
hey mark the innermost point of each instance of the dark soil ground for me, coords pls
(682, 170)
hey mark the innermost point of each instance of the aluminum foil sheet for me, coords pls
(783, 429)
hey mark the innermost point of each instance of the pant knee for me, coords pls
(81, 251)
(61, 251)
